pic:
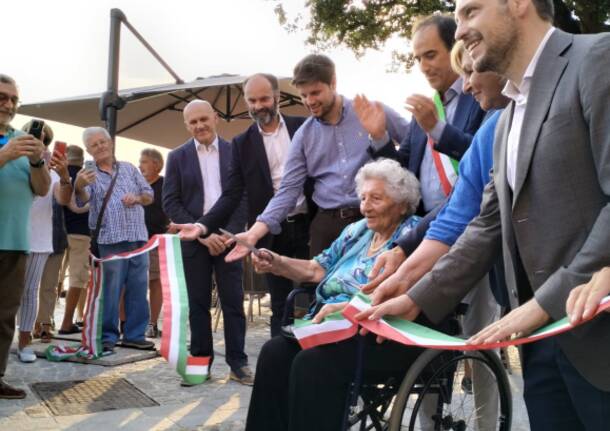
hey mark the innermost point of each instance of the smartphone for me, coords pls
(60, 148)
(36, 128)
(89, 165)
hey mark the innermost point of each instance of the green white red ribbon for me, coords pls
(413, 334)
(446, 167)
(193, 370)
(332, 329)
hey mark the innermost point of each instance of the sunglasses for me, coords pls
(5, 98)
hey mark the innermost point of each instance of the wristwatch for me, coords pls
(38, 164)
(65, 182)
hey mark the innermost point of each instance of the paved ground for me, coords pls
(219, 404)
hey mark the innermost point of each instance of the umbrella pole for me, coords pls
(108, 105)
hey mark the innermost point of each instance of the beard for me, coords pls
(501, 46)
(327, 109)
(264, 116)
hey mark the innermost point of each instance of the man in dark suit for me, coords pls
(258, 165)
(434, 144)
(547, 208)
(196, 174)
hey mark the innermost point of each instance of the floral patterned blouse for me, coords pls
(346, 261)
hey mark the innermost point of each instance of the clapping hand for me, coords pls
(371, 116)
(423, 110)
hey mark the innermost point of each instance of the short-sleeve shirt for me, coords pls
(16, 199)
(76, 223)
(120, 223)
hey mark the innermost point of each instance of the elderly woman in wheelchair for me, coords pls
(299, 389)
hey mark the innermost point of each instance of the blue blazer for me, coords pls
(183, 195)
(454, 141)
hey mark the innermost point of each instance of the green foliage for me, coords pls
(369, 24)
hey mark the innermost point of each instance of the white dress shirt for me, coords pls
(520, 93)
(209, 163)
(277, 144)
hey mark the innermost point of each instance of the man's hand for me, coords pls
(371, 116)
(521, 321)
(584, 299)
(385, 265)
(401, 306)
(24, 145)
(423, 110)
(328, 309)
(186, 231)
(240, 251)
(130, 199)
(215, 244)
(84, 178)
(59, 163)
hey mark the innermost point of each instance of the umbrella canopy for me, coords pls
(154, 114)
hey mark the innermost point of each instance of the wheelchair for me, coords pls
(430, 396)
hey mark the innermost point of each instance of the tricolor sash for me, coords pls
(446, 167)
(334, 328)
(413, 334)
(193, 370)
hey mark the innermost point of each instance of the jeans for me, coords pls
(131, 277)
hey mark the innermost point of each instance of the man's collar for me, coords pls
(517, 93)
(199, 146)
(278, 128)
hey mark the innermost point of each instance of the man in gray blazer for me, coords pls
(547, 208)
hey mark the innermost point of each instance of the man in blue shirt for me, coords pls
(122, 230)
(329, 148)
(22, 175)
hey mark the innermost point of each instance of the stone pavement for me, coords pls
(219, 404)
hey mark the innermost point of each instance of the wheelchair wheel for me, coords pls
(432, 397)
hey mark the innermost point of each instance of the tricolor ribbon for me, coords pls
(446, 167)
(413, 334)
(193, 370)
(332, 329)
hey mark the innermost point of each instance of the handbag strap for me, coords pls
(98, 224)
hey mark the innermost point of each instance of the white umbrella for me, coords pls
(154, 114)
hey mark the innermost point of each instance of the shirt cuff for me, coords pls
(378, 144)
(273, 227)
(204, 230)
(437, 131)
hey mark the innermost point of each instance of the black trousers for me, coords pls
(325, 228)
(199, 266)
(304, 390)
(556, 395)
(293, 241)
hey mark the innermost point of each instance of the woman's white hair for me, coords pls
(400, 184)
(90, 131)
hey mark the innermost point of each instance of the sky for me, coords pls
(60, 49)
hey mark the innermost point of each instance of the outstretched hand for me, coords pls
(521, 321)
(584, 299)
(328, 309)
(385, 265)
(186, 231)
(240, 251)
(401, 306)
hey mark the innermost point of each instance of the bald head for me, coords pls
(262, 95)
(201, 121)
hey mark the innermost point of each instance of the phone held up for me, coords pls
(89, 165)
(36, 128)
(60, 148)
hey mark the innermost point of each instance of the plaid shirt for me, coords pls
(120, 223)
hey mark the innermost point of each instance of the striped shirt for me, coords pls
(120, 223)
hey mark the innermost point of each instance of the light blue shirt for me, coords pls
(119, 223)
(331, 154)
(431, 190)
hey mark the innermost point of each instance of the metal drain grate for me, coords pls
(77, 397)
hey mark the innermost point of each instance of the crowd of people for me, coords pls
(492, 198)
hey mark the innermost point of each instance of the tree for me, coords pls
(368, 24)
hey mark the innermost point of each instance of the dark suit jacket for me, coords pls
(553, 229)
(250, 172)
(183, 187)
(454, 142)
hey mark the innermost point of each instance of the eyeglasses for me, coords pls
(5, 98)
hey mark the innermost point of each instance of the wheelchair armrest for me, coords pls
(287, 318)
